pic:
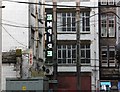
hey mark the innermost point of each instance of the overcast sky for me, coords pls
(14, 37)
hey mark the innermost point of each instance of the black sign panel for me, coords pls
(48, 36)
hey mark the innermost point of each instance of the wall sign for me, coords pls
(48, 36)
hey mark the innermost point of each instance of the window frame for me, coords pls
(85, 21)
(109, 17)
(108, 62)
(68, 15)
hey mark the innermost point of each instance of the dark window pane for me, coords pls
(88, 54)
(64, 60)
(73, 29)
(73, 53)
(104, 55)
(59, 53)
(69, 60)
(59, 60)
(64, 14)
(69, 53)
(64, 21)
(83, 53)
(82, 60)
(64, 53)
(82, 46)
(73, 21)
(111, 55)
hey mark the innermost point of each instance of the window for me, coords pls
(111, 2)
(103, 2)
(104, 26)
(108, 56)
(85, 53)
(66, 54)
(107, 2)
(85, 21)
(107, 25)
(66, 22)
(104, 56)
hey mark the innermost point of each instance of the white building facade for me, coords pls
(66, 43)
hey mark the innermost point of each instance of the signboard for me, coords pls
(48, 36)
(105, 85)
(30, 57)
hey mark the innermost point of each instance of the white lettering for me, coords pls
(49, 45)
(50, 31)
(49, 24)
(49, 53)
(49, 16)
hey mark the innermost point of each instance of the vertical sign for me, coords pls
(48, 36)
(30, 57)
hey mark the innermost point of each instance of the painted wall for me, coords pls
(92, 36)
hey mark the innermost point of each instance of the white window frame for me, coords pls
(104, 63)
(108, 62)
(60, 25)
(112, 62)
(83, 22)
(62, 48)
(103, 2)
(85, 55)
(110, 20)
(111, 2)
(104, 29)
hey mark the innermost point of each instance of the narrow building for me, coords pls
(66, 19)
(109, 73)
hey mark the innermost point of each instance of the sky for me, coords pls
(14, 14)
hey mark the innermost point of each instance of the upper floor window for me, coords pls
(107, 2)
(103, 2)
(85, 21)
(107, 25)
(66, 22)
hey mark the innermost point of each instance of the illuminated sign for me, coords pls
(48, 35)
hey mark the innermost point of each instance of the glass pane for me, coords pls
(63, 14)
(88, 54)
(59, 53)
(73, 60)
(83, 53)
(59, 61)
(87, 60)
(69, 53)
(73, 22)
(69, 60)
(73, 53)
(82, 46)
(82, 60)
(104, 55)
(59, 46)
(64, 60)
(73, 29)
(64, 22)
(64, 53)
(111, 55)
